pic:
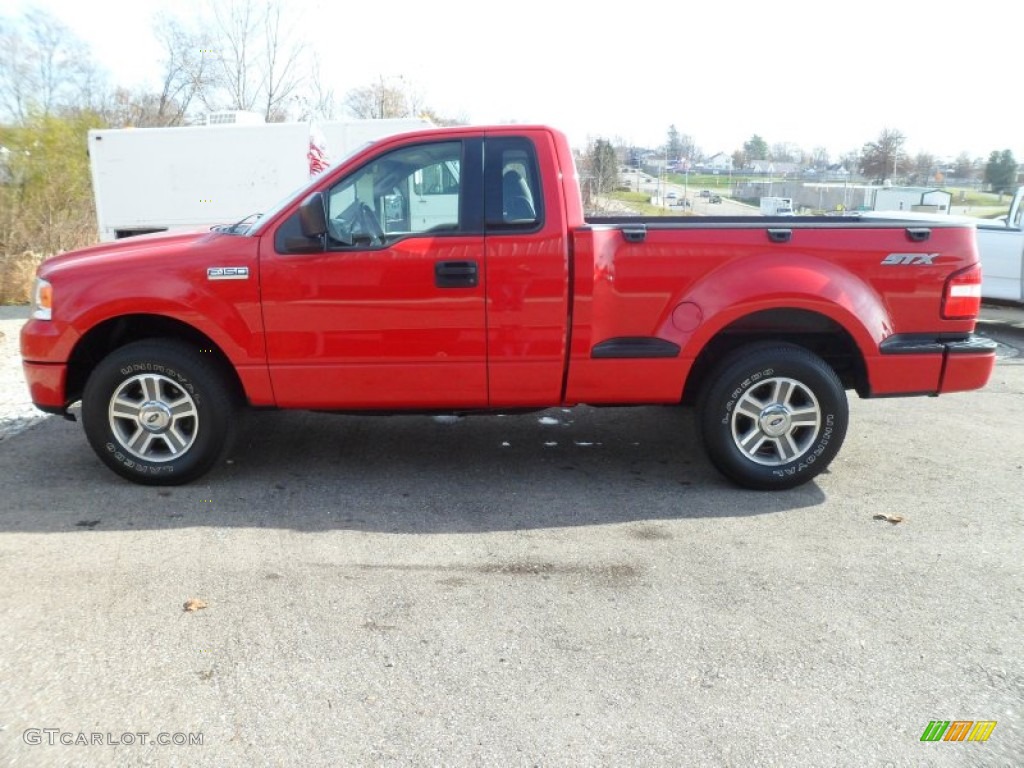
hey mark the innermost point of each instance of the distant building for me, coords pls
(719, 162)
(922, 199)
(772, 168)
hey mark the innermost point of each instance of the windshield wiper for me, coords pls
(239, 226)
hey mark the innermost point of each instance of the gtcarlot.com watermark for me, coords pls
(54, 736)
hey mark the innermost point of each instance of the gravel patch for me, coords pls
(16, 410)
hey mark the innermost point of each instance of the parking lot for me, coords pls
(562, 588)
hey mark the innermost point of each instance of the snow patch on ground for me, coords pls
(16, 410)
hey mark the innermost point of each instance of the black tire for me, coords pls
(772, 416)
(159, 412)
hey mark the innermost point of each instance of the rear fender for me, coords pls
(742, 287)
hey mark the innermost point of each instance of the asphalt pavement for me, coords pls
(565, 588)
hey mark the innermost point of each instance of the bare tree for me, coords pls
(44, 68)
(258, 60)
(188, 69)
(187, 76)
(784, 152)
(235, 56)
(924, 168)
(965, 166)
(381, 100)
(851, 161)
(880, 159)
(318, 100)
(688, 147)
(281, 64)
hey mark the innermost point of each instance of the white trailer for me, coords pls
(159, 179)
(776, 206)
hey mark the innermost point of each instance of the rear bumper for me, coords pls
(968, 364)
(46, 385)
(930, 364)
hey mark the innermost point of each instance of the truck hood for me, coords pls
(131, 250)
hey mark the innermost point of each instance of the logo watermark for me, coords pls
(958, 730)
(54, 736)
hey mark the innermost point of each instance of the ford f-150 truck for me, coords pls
(1001, 247)
(452, 270)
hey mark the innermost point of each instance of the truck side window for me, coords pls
(409, 191)
(512, 184)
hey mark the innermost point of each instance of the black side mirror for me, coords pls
(313, 216)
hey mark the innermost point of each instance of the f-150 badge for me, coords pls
(912, 259)
(227, 273)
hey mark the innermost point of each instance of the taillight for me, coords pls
(962, 298)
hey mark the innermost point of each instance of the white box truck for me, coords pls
(159, 179)
(776, 206)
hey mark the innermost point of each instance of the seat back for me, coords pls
(515, 204)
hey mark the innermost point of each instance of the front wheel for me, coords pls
(158, 412)
(772, 416)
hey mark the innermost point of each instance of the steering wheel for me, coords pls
(356, 223)
(368, 220)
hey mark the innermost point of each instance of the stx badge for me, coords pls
(912, 259)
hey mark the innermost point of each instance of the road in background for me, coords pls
(701, 206)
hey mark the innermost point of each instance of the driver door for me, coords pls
(391, 313)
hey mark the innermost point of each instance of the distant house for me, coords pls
(719, 162)
(836, 172)
(772, 168)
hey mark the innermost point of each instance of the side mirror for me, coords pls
(313, 216)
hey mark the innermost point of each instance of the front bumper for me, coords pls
(46, 385)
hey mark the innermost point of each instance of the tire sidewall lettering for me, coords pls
(135, 465)
(809, 458)
(180, 379)
(742, 387)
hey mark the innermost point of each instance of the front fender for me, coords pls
(236, 327)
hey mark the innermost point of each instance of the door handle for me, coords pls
(456, 274)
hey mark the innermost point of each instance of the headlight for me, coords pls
(42, 299)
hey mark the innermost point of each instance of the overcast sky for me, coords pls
(810, 72)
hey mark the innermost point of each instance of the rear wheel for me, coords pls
(158, 412)
(772, 416)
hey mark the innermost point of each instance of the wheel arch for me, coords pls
(814, 331)
(802, 298)
(115, 332)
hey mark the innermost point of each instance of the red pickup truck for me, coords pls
(452, 270)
